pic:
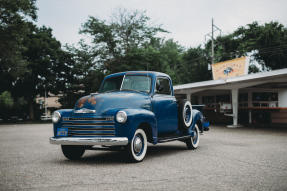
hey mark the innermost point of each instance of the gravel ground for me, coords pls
(227, 159)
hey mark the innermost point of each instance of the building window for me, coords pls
(209, 101)
(264, 99)
(243, 100)
(194, 100)
(223, 98)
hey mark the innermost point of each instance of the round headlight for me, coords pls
(121, 117)
(56, 117)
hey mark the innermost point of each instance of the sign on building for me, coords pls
(230, 68)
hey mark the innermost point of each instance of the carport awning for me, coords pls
(235, 82)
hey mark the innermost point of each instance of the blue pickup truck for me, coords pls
(129, 110)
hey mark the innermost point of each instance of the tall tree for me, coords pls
(44, 58)
(172, 57)
(16, 17)
(124, 36)
(83, 76)
(194, 66)
(266, 43)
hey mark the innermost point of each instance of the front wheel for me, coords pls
(138, 146)
(73, 152)
(193, 141)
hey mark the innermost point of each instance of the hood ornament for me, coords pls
(85, 110)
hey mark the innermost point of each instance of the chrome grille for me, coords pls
(89, 126)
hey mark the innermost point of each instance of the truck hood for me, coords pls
(101, 104)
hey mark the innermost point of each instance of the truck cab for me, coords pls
(130, 109)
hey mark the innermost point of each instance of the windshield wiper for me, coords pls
(110, 91)
(140, 91)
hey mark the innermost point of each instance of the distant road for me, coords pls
(227, 159)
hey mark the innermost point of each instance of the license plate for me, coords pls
(62, 132)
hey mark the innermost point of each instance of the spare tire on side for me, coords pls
(184, 114)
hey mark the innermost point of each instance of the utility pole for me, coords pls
(45, 98)
(214, 28)
(212, 42)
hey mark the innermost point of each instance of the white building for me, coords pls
(253, 98)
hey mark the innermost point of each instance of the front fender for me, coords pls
(136, 117)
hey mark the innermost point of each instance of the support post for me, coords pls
(200, 99)
(188, 97)
(234, 93)
(249, 106)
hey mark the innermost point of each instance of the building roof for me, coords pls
(235, 82)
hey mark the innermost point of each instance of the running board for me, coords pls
(168, 139)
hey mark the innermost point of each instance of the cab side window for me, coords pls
(163, 86)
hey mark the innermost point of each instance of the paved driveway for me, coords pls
(227, 159)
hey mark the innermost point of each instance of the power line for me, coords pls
(232, 54)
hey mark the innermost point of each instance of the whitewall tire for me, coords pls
(193, 141)
(185, 114)
(137, 148)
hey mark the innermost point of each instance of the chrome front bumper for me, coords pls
(108, 141)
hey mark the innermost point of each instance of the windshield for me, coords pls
(112, 84)
(131, 82)
(137, 83)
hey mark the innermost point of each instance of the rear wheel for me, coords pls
(73, 152)
(193, 141)
(137, 148)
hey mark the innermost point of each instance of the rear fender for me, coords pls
(196, 119)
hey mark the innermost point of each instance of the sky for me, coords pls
(188, 21)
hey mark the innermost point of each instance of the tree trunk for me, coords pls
(31, 110)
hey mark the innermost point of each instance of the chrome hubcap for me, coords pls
(186, 115)
(138, 144)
